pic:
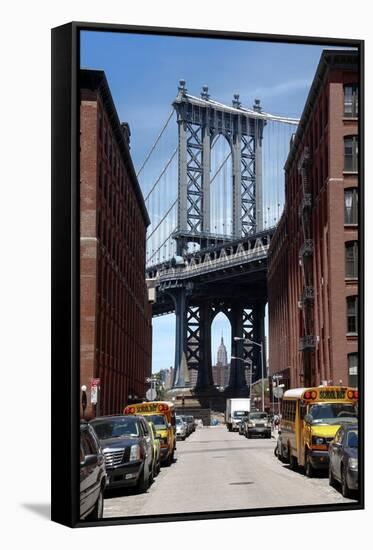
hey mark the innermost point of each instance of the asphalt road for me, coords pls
(218, 470)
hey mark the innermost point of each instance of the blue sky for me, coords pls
(143, 74)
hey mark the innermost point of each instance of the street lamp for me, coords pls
(248, 341)
(275, 384)
(250, 371)
(84, 399)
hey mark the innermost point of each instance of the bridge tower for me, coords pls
(200, 120)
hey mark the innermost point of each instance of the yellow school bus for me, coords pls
(310, 419)
(162, 414)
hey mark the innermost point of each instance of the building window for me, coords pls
(352, 370)
(352, 315)
(351, 153)
(351, 105)
(351, 260)
(351, 199)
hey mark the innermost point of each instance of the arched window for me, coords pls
(350, 153)
(351, 256)
(351, 204)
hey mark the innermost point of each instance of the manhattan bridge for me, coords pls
(213, 184)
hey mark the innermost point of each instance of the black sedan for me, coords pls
(343, 459)
(128, 450)
(92, 474)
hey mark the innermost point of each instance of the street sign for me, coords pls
(95, 385)
(151, 394)
(278, 392)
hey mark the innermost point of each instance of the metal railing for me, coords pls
(193, 269)
(307, 342)
(306, 249)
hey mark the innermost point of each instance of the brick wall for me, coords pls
(115, 335)
(321, 140)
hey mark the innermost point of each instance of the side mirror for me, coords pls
(89, 460)
(308, 418)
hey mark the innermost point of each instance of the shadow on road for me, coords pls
(318, 474)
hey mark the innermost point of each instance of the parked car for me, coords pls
(188, 426)
(241, 425)
(257, 423)
(190, 420)
(128, 450)
(157, 449)
(181, 428)
(343, 459)
(93, 477)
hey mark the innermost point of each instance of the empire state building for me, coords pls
(222, 358)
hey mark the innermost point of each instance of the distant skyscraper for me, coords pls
(222, 358)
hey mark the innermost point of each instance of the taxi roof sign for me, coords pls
(147, 408)
(322, 393)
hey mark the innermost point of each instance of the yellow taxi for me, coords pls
(162, 415)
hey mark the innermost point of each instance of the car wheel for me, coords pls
(151, 474)
(183, 438)
(331, 476)
(309, 467)
(98, 510)
(275, 451)
(278, 451)
(143, 483)
(292, 460)
(345, 489)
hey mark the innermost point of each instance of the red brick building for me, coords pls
(313, 257)
(115, 316)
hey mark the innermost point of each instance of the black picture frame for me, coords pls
(65, 271)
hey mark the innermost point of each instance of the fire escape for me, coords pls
(308, 340)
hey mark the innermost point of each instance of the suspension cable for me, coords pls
(165, 216)
(155, 143)
(161, 174)
(220, 167)
(160, 246)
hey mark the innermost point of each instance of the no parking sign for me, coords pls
(95, 385)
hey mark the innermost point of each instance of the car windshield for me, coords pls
(333, 413)
(116, 427)
(258, 416)
(239, 414)
(158, 420)
(179, 422)
(352, 439)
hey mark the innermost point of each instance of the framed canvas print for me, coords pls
(207, 319)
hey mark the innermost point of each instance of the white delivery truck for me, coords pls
(236, 408)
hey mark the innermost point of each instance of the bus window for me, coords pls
(332, 413)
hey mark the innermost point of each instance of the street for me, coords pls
(220, 470)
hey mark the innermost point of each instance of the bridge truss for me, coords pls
(216, 196)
